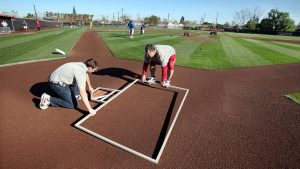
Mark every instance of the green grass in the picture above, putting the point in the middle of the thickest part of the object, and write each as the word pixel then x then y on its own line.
pixel 39 45
pixel 262 36
pixel 225 52
pixel 294 96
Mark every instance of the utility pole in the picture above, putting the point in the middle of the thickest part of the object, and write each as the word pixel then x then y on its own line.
pixel 35 12
pixel 118 19
pixel 168 17
pixel 217 20
pixel 122 14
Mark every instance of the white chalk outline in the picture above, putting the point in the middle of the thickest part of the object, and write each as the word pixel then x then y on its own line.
pixel 141 155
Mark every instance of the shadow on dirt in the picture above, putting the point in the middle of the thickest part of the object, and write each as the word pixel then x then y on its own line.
pixel 37 90
pixel 165 127
pixel 121 73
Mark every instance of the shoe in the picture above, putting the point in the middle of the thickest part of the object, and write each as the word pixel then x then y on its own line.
pixel 45 101
pixel 78 97
pixel 151 80
pixel 167 84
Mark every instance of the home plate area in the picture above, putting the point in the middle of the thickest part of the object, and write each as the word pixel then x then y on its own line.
pixel 138 118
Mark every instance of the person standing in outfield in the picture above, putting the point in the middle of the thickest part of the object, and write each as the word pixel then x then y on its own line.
pixel 163 55
pixel 142 29
pixel 38 26
pixel 131 28
pixel 68 82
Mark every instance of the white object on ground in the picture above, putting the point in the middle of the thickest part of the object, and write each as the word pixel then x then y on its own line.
pixel 60 51
pixel 141 155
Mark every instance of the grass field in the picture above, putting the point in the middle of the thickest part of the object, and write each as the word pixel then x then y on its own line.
pixel 225 52
pixel 262 36
pixel 229 50
pixel 39 45
pixel 294 96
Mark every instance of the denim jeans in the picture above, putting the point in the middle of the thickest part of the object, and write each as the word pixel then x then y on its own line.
pixel 65 95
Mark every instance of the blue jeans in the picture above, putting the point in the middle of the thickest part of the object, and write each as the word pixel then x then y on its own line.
pixel 66 95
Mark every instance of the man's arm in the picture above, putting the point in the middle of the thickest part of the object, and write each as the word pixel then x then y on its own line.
pixel 91 89
pixel 86 101
pixel 144 71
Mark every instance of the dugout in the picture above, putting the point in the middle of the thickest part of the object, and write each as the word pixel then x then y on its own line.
pixel 8 20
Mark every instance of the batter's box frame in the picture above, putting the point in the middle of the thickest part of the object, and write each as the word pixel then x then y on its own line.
pixel 141 155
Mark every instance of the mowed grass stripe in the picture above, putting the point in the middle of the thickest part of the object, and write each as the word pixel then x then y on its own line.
pixel 227 52
pixel 208 55
pixel 272 56
pixel 184 51
pixel 240 55
pixel 262 36
pixel 129 43
pixel 277 48
pixel 131 47
pixel 45 51
pixel 137 52
pixel 40 48
pixel 21 48
pixel 23 38
pixel 286 45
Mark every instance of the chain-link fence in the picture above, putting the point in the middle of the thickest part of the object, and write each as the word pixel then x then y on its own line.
pixel 19 24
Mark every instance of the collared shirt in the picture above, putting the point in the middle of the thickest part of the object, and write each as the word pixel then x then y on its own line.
pixel 69 72
pixel 162 56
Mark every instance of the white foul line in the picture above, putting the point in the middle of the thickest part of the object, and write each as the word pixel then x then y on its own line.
pixel 156 160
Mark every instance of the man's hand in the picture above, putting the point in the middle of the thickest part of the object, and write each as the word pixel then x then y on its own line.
pixel 91 89
pixel 144 78
pixel 92 112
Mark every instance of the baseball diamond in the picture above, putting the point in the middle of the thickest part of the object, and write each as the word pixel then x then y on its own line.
pixel 232 118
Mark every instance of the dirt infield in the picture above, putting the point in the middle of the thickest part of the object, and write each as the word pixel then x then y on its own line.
pixel 236 118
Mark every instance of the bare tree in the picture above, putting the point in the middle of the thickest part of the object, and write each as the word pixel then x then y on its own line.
pixel 256 13
pixel 242 17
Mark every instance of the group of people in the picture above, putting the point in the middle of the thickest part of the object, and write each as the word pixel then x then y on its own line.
pixel 37 25
pixel 131 27
pixel 68 82
pixel 24 24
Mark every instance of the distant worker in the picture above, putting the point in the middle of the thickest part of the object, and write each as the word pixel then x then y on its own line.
pixel 38 26
pixel 142 29
pixel 68 82
pixel 163 55
pixel 25 26
pixel 131 28
pixel 91 25
pixel 186 34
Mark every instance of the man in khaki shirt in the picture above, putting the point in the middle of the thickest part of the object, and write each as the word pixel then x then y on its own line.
pixel 68 82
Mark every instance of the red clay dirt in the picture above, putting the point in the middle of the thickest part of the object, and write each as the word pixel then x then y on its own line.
pixel 99 93
pixel 235 118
